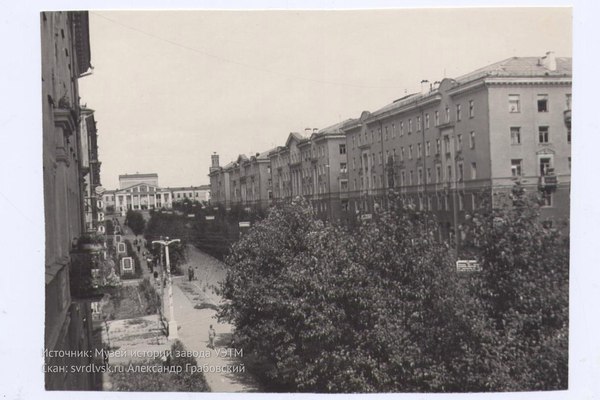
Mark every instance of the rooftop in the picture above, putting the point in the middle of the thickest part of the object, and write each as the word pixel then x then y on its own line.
pixel 151 175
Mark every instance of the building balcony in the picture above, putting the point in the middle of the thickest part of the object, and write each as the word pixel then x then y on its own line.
pixel 567 116
pixel 343 175
pixel 549 181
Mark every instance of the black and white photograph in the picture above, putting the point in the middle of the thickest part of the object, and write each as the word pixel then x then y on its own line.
pixel 317 201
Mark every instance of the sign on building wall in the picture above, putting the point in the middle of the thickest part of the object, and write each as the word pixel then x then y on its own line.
pixel 467 266
pixel 244 224
pixel 210 217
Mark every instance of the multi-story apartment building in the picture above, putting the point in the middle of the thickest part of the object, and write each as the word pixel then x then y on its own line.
pixel 454 146
pixel 312 165
pixel 65 58
pixel 465 140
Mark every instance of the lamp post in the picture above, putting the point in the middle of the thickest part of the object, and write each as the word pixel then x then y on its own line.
pixel 171 321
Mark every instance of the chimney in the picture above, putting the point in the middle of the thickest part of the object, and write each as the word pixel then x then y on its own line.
pixel 436 85
pixel 424 86
pixel 549 61
pixel 315 130
pixel 307 131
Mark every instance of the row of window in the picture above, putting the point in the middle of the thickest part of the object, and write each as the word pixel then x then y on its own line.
pixel 543 135
pixel 542 103
pixel 390 132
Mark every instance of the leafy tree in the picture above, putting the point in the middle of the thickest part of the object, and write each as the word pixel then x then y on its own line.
pixel 135 220
pixel 329 310
pixel 524 287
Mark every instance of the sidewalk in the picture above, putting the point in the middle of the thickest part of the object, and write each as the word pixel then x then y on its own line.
pixel 193 332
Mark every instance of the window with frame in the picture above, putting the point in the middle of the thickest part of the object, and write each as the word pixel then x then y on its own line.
pixel 473 170
pixel 428 176
pixel 419 150
pixel 402 153
pixel 401 128
pixel 420 176
pixel 387 137
pixel 461 201
pixel 460 171
pixel 516 167
pixel 342 149
pixel 402 178
pixel 543 134
pixel 472 140
pixel 343 168
pixel 447 114
pixel 380 158
pixel 471 109
pixel 410 153
pixel 545 165
pixel 568 134
pixel 515 135
pixel 514 103
pixel 542 103
pixel 447 144
pixel 428 148
pixel 437 118
pixel 393 131
pixel 427 121
pixel 438 173
pixel 568 100
pixel 438 146
pixel 410 177
pixel 418 124
pixel 344 185
pixel 409 126
pixel 459 142
pixel 458 112
pixel 449 173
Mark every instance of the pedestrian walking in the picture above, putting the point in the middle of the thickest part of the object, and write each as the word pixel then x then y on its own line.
pixel 190 273
pixel 211 337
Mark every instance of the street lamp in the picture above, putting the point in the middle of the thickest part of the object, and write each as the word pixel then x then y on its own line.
pixel 171 321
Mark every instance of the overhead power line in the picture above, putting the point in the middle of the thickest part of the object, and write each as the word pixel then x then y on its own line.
pixel 242 64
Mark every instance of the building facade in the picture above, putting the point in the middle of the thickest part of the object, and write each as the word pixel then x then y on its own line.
pixel 66 166
pixel 456 145
pixel 141 192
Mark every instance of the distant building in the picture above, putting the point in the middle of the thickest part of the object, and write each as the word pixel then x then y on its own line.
pixel 455 145
pixel 141 192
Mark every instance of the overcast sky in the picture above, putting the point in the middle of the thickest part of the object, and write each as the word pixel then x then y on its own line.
pixel 170 88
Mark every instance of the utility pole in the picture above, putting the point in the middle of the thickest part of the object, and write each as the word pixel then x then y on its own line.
pixel 171 320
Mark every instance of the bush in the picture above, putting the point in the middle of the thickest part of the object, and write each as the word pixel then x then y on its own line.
pixel 161 381
pixel 148 291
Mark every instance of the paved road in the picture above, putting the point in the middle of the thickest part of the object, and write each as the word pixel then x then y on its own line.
pixel 194 323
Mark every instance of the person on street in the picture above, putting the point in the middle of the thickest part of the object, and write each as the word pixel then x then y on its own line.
pixel 211 337
pixel 190 273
